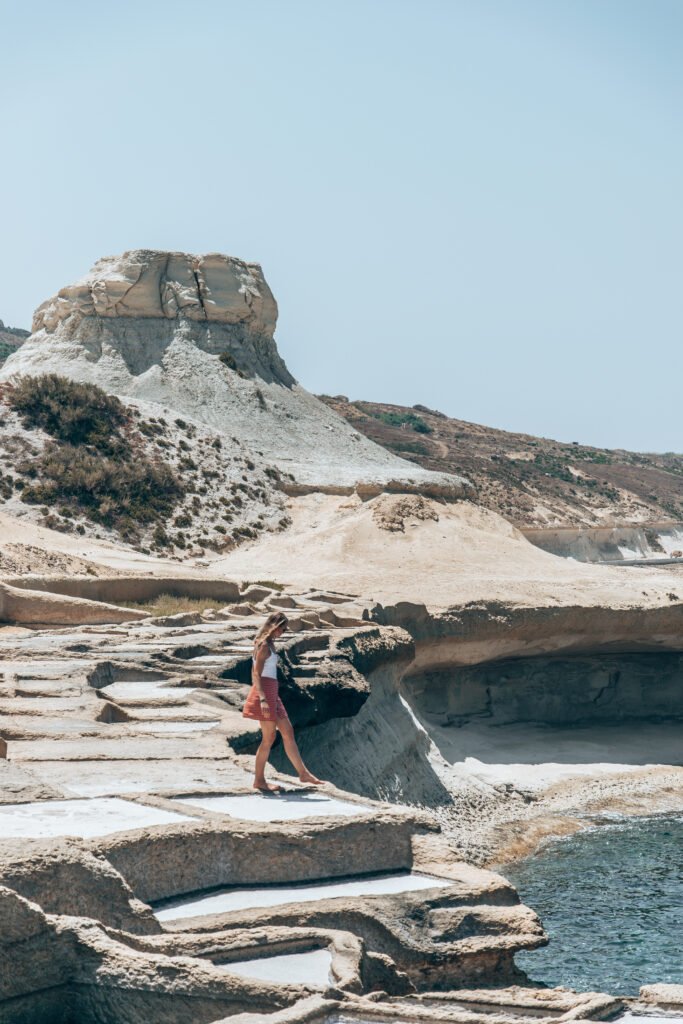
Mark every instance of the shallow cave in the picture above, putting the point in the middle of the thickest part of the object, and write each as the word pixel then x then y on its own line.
pixel 591 707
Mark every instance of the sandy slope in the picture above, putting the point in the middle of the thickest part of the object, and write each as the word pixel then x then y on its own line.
pixel 26 547
pixel 468 554
pixel 465 553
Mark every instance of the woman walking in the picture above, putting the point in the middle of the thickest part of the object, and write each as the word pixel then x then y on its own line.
pixel 263 704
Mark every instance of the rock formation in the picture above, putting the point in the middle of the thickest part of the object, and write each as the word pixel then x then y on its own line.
pixel 194 334
pixel 227 297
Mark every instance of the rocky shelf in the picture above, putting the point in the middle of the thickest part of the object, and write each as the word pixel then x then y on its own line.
pixel 143 879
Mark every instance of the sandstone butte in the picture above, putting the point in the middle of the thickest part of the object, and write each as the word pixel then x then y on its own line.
pixel 141 879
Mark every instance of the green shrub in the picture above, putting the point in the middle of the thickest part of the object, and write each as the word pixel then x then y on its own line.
pixel 412 447
pixel 70 412
pixel 150 428
pixel 160 537
pixel 407 419
pixel 116 493
pixel 6 486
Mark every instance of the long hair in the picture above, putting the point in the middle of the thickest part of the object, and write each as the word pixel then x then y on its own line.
pixel 272 623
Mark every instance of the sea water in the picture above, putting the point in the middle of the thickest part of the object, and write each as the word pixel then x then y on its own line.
pixel 611 901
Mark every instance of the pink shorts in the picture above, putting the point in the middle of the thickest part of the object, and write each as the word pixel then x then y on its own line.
pixel 253 708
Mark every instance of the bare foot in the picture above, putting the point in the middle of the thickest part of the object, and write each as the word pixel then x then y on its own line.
pixel 265 787
pixel 310 777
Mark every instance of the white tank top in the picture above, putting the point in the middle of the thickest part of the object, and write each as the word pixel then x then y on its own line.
pixel 270 667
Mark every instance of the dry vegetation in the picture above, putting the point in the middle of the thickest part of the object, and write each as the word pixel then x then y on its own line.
pixel 533 481
pixel 85 462
pixel 92 465
pixel 170 604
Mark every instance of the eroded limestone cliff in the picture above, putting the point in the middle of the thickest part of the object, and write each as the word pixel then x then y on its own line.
pixel 194 334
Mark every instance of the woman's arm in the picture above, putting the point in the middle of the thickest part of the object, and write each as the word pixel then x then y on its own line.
pixel 259 661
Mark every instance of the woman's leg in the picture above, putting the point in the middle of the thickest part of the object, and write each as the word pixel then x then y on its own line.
pixel 292 751
pixel 268 730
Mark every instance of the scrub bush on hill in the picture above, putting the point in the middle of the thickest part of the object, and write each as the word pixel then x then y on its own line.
pixel 93 465
pixel 114 492
pixel 398 419
pixel 70 412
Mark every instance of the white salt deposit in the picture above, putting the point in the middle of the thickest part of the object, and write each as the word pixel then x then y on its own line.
pixel 271 896
pixel 83 818
pixel 279 807
pixel 648 1018
pixel 175 727
pixel 209 659
pixel 145 689
pixel 312 969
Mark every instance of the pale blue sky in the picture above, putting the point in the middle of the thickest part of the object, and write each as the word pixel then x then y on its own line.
pixel 472 204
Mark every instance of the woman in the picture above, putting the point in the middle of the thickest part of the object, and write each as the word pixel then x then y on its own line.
pixel 264 705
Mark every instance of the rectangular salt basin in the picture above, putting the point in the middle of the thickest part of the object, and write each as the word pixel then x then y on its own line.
pixel 175 727
pixel 312 969
pixel 227 900
pixel 86 819
pixel 492 1009
pixel 648 1018
pixel 144 689
pixel 278 807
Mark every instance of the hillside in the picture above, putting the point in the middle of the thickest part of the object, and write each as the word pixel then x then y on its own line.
pixel 532 481
pixel 10 340
pixel 77 460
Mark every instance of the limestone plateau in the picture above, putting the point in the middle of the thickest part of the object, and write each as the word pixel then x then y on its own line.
pixel 431 648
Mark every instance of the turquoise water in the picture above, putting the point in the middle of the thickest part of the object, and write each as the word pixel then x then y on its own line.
pixel 611 900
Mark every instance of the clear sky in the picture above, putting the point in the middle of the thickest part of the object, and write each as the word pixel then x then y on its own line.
pixel 472 204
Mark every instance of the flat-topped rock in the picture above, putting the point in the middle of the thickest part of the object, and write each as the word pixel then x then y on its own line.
pixel 144 283
pixel 194 335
